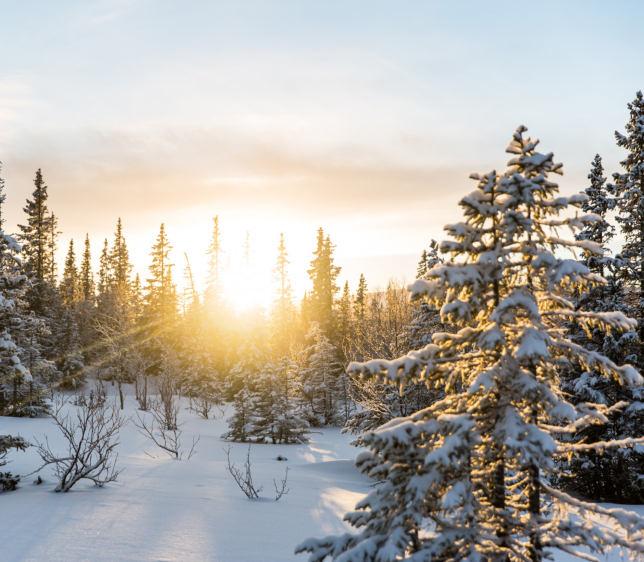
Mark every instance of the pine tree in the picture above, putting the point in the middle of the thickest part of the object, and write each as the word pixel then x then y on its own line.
pixel 274 417
pixel 283 311
pixel 611 475
pixel 161 297
pixel 20 393
pixel 52 246
pixel 190 299
pixel 628 189
pixel 360 301
pixel 344 318
pixel 323 274
pixel 119 268
pixel 36 246
pixel 240 423
pixel 86 276
pixel 320 374
pixel 213 286
pixel 86 309
pixel 69 358
pixel 70 287
pixel 469 477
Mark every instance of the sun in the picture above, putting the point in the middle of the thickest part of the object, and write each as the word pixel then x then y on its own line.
pixel 245 290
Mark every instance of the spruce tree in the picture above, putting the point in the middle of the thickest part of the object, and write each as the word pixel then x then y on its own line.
pixel 160 295
pixel 283 310
pixel 628 189
pixel 119 270
pixel 274 414
pixel 52 245
pixel 611 475
pixel 87 304
pixel 468 478
pixel 86 277
pixel 35 237
pixel 320 374
pixel 360 301
pixel 323 274
pixel 20 352
pixel 213 285
pixel 70 287
pixel 344 318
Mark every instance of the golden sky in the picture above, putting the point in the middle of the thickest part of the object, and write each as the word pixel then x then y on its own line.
pixel 362 117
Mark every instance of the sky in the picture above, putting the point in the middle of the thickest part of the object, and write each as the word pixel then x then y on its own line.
pixel 363 117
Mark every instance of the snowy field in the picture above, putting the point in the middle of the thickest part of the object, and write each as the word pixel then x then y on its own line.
pixel 168 510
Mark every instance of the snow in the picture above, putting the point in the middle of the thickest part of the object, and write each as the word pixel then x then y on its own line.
pixel 163 509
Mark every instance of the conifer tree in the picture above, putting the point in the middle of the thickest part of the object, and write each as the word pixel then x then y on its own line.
pixel 161 297
pixel 213 286
pixel 323 274
pixel 360 301
pixel 70 288
pixel 611 475
pixel 120 269
pixel 52 245
pixel 284 311
pixel 69 359
pixel 468 478
pixel 190 295
pixel 320 374
pixel 86 276
pixel 344 318
pixel 240 423
pixel 35 236
pixel 628 189
pixel 20 393
pixel 274 415
pixel 86 310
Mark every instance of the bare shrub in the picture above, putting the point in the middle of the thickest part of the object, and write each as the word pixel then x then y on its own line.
pixel 244 478
pixel 91 434
pixel 141 391
pixel 163 429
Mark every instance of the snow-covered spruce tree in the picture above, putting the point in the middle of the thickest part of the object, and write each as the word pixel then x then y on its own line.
pixel 320 374
pixel 468 477
pixel 275 418
pixel 15 378
pixel 241 422
pixel 628 189
pixel 20 395
pixel 614 474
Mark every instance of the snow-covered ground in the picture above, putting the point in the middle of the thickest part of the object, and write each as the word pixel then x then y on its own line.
pixel 162 509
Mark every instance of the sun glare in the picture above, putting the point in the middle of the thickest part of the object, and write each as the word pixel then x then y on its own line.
pixel 246 288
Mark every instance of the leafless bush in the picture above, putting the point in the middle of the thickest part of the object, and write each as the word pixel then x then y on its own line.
pixel 163 429
pixel 168 402
pixel 91 434
pixel 244 478
pixel 141 392
pixel 203 406
pixel 281 489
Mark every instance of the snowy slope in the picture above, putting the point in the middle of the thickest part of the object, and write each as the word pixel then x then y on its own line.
pixel 162 509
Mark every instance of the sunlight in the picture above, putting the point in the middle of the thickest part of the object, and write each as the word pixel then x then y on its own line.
pixel 245 289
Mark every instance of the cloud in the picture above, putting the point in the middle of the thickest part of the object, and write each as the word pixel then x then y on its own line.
pixel 92 174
